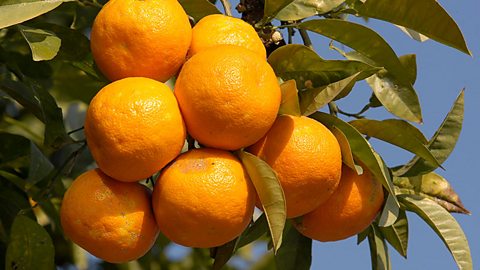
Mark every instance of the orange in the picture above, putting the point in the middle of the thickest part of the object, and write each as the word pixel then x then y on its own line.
pixel 228 95
pixel 134 128
pixel 203 199
pixel 217 29
pixel 348 211
pixel 307 159
pixel 147 38
pixel 110 219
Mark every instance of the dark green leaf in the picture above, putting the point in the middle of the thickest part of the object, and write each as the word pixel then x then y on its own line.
pixel 223 253
pixel 309 70
pixel 396 132
pixel 255 231
pixel 17 11
pixel 390 212
pixel 30 246
pixel 295 252
pixel 40 166
pixel 198 8
pixel 441 144
pixel 361 149
pixel 363 235
pixel 272 7
pixel 444 225
pixel 270 193
pixel 378 250
pixel 289 104
pixel 397 234
pixel 44 44
pixel 38 101
pixel 434 187
pixel 12 201
pixel 362 39
pixel 300 9
pixel 426 17
pixel 311 100
pixel 13 147
pixel 409 61
pixel 347 157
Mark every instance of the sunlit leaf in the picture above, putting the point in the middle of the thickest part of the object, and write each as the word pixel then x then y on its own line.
pixel 270 193
pixel 390 212
pixel 295 252
pixel 434 187
pixel 441 144
pixel 30 246
pixel 272 7
pixel 198 8
pixel 426 17
pixel 309 70
pixel 44 44
pixel 255 231
pixel 311 100
pixel 360 38
pixel 396 132
pixel 397 234
pixel 300 9
pixel 444 225
pixel 347 157
pixel 378 250
pixel 409 61
pixel 17 11
pixel 289 104
pixel 361 149
pixel 413 34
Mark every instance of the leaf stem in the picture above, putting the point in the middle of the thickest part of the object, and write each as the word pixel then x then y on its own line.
pixel 333 108
pixel 357 115
pixel 306 38
pixel 227 7
pixel 75 130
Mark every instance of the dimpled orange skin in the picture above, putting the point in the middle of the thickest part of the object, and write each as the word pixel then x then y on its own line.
pixel 350 210
pixel 203 199
pixel 148 38
pixel 307 159
pixel 216 29
pixel 229 97
pixel 110 219
pixel 134 128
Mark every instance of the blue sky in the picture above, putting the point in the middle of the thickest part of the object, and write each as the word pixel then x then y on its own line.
pixel 442 72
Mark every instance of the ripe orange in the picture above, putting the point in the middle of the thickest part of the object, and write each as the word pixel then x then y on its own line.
pixel 217 29
pixel 110 219
pixel 228 95
pixel 203 199
pixel 350 209
pixel 148 38
pixel 134 128
pixel 307 159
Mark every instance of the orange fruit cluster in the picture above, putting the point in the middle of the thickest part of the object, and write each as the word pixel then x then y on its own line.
pixel 226 97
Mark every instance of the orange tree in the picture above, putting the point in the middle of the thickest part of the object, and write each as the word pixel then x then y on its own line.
pixel 49 75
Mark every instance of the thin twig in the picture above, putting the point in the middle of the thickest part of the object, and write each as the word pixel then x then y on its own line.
pixel 332 107
pixel 227 7
pixel 75 130
pixel 357 115
pixel 306 38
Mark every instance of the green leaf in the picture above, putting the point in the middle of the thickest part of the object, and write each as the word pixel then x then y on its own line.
pixel 40 166
pixel 409 61
pixel 413 34
pixel 198 8
pixel 444 225
pixel 44 44
pixel 378 250
pixel 270 193
pixel 396 132
pixel 311 100
pixel 434 187
pixel 17 11
pixel 361 149
pixel 360 38
pixel 295 252
pixel 271 9
pixel 300 9
pixel 390 212
pixel 255 231
pixel 38 101
pixel 223 253
pixel 397 234
pixel 347 157
pixel 309 70
pixel 426 17
pixel 12 201
pixel 13 147
pixel 441 144
pixel 30 246
pixel 289 104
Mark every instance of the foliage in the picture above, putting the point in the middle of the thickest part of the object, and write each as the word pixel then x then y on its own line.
pixel 47 78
